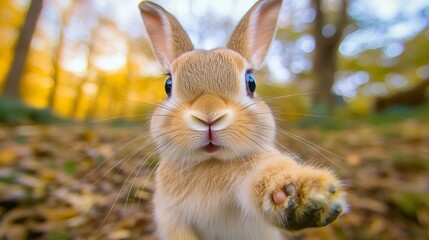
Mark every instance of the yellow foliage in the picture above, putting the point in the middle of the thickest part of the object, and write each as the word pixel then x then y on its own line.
pixel 361 106
pixel 35 89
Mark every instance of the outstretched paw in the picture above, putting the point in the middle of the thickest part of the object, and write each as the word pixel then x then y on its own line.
pixel 313 200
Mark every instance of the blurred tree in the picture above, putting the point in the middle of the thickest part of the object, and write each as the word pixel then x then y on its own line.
pixel 13 78
pixel 327 38
pixel 128 76
pixel 90 72
pixel 65 15
pixel 411 97
pixel 388 79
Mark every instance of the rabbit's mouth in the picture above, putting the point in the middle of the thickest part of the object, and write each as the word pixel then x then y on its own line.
pixel 211 148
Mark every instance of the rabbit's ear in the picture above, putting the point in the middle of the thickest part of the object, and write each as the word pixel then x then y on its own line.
pixel 169 39
pixel 254 33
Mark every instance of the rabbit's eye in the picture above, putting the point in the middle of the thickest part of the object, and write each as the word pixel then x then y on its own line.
pixel 250 84
pixel 168 86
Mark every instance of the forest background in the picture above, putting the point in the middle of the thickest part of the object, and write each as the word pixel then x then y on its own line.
pixel 347 80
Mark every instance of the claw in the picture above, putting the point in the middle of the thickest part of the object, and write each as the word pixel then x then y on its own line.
pixel 333 214
pixel 337 208
pixel 292 204
pixel 290 190
pixel 331 188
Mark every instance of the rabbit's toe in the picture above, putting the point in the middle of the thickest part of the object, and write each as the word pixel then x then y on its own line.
pixel 309 203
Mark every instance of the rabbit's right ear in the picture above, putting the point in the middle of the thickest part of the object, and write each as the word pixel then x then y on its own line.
pixel 169 39
pixel 254 33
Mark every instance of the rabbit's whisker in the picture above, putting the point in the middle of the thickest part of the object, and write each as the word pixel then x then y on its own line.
pixel 115 117
pixel 145 183
pixel 128 156
pixel 324 149
pixel 133 140
pixel 118 195
pixel 268 99
pixel 251 139
pixel 160 105
pixel 308 115
pixel 313 146
pixel 135 177
pixel 150 174
pixel 289 152
pixel 247 106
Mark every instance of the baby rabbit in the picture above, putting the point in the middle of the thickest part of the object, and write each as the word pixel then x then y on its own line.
pixel 220 175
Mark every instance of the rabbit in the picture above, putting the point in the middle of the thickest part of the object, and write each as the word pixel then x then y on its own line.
pixel 220 175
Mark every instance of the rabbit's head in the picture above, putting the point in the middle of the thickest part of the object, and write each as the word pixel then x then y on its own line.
pixel 211 110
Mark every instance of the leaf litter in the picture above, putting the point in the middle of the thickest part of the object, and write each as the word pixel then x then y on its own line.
pixel 80 182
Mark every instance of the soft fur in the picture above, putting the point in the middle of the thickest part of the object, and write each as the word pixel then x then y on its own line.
pixel 246 189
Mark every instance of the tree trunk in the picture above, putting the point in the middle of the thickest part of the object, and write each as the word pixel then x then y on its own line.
pixel 77 99
pixel 325 57
pixel 65 15
pixel 57 70
pixel 13 79
pixel 325 66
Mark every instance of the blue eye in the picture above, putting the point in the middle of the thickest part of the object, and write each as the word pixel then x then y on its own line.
pixel 250 84
pixel 168 86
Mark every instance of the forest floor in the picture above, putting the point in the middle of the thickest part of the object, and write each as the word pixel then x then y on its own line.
pixel 62 182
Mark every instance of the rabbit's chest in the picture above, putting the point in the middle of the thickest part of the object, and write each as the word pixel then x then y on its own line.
pixel 206 199
pixel 221 218
pixel 201 192
pixel 208 180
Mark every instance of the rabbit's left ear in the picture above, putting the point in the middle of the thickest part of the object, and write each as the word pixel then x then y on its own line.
pixel 169 39
pixel 254 33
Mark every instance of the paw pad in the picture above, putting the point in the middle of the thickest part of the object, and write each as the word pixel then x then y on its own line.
pixel 312 211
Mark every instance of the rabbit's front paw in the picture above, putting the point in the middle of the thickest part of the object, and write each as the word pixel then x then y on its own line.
pixel 311 199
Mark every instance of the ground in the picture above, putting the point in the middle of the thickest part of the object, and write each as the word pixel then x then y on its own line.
pixel 95 181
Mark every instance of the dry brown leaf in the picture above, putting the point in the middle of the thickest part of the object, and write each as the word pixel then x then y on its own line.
pixel 353 160
pixel 7 157
pixel 119 234
pixel 16 232
pixel 57 214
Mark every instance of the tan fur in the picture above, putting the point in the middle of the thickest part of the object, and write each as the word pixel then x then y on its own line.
pixel 204 71
pixel 159 24
pixel 251 34
pixel 228 193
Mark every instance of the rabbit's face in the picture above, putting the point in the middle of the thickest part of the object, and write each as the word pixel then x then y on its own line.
pixel 211 112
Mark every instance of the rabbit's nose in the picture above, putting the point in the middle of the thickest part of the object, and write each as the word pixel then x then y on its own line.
pixel 209 110
pixel 199 121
